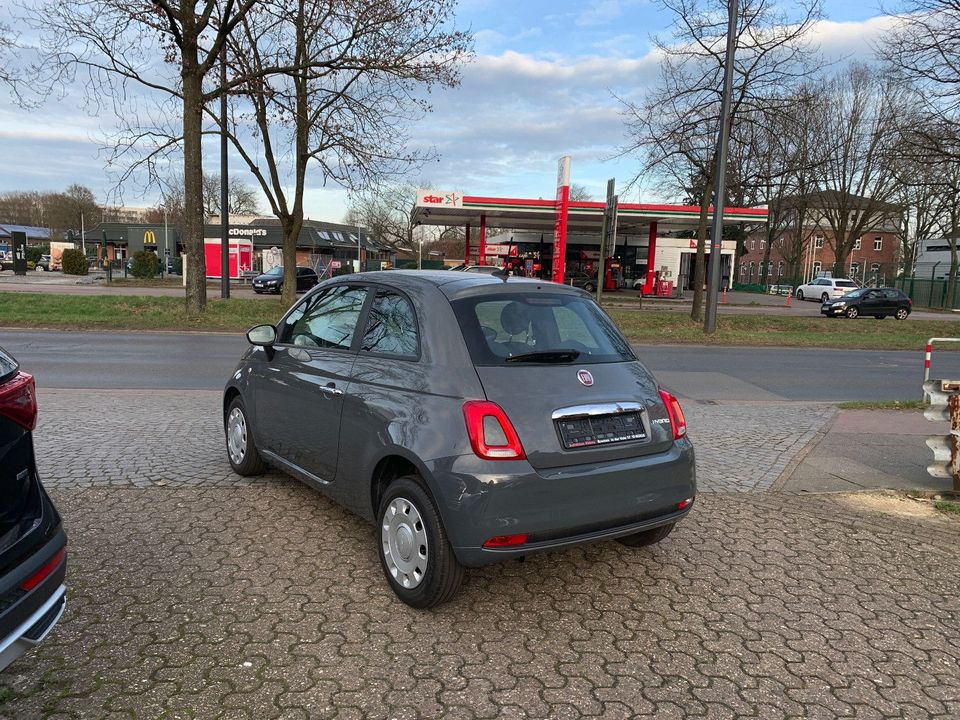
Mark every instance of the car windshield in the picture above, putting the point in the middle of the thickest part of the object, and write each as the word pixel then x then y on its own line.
pixel 501 329
pixel 275 272
pixel 846 283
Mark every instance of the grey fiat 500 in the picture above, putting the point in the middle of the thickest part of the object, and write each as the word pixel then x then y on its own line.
pixel 472 418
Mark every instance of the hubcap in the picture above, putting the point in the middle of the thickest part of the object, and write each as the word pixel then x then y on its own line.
pixel 237 436
pixel 404 540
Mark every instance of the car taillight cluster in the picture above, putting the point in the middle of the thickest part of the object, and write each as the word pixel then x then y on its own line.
pixel 18 400
pixel 677 422
pixel 491 433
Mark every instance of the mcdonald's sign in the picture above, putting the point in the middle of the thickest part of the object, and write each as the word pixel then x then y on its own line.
pixel 149 238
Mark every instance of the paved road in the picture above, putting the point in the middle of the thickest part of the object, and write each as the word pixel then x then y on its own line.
pixel 204 361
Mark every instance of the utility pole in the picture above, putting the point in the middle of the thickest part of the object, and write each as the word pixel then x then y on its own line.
pixel 609 230
pixel 359 259
pixel 224 189
pixel 716 232
pixel 83 236
pixel 166 244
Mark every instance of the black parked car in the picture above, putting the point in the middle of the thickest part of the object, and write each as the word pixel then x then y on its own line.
pixel 878 302
pixel 33 544
pixel 473 418
pixel 272 280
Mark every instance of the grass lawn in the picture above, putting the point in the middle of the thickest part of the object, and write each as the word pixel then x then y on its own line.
pixel 117 312
pixel 883 405
pixel 113 312
pixel 655 326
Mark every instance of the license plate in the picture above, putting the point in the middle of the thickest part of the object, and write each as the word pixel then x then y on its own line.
pixel 600 430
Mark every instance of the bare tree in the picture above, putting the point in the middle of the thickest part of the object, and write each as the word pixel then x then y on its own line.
pixel 386 210
pixel 579 193
pixel 344 111
pixel 113 44
pixel 241 198
pixel 858 133
pixel 674 129
pixel 60 212
pixel 922 50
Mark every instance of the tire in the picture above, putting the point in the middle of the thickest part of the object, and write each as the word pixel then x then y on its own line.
pixel 824 298
pixel 852 312
pixel 415 555
pixel 647 537
pixel 589 287
pixel 799 294
pixel 902 314
pixel 241 450
pixel 38 268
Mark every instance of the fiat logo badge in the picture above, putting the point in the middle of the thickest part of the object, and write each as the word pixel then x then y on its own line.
pixel 585 377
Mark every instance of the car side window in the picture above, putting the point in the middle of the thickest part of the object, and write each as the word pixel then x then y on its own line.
pixel 892 294
pixel 391 326
pixel 325 320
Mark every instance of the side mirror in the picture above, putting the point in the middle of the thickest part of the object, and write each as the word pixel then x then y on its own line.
pixel 262 335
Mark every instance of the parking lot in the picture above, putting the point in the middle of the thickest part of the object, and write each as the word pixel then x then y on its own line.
pixel 198 594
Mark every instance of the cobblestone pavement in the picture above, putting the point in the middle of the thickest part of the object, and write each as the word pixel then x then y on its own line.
pixel 194 593
pixel 267 602
pixel 88 438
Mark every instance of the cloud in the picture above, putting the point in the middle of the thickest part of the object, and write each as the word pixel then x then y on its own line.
pixel 501 132
pixel 599 13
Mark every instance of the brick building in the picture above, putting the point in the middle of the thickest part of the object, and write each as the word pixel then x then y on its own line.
pixel 875 257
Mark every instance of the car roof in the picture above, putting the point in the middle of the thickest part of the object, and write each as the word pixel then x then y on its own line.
pixel 455 284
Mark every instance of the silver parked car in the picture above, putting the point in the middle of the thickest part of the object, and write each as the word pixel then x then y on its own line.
pixel 472 418
pixel 823 289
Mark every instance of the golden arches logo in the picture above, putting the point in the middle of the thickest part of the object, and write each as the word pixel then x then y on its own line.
pixel 149 238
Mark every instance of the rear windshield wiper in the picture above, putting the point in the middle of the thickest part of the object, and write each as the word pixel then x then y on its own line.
pixel 546 356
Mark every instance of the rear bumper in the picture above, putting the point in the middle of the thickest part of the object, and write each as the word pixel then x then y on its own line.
pixel 559 507
pixel 34 629
pixel 27 616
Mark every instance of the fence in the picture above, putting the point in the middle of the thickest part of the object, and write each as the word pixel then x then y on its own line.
pixel 927 293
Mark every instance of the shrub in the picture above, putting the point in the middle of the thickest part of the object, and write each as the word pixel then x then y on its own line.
pixel 34 253
pixel 178 266
pixel 145 264
pixel 74 262
pixel 749 287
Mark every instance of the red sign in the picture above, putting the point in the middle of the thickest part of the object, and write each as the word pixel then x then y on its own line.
pixel 560 225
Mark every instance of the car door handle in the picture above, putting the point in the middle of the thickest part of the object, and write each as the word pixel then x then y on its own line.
pixel 331 389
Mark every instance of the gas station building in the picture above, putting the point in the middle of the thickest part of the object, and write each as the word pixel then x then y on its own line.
pixel 653 241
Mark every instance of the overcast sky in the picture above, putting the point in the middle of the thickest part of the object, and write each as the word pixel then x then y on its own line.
pixel 540 87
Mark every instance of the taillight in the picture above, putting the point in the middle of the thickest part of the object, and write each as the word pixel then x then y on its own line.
pixel 18 400
pixel 46 571
pixel 500 541
pixel 677 422
pixel 491 433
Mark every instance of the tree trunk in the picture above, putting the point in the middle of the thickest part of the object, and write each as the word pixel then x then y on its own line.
pixel 291 233
pixel 952 278
pixel 700 272
pixel 196 280
pixel 765 268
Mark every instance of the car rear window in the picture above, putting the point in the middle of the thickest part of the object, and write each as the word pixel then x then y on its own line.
pixel 846 283
pixel 499 327
pixel 8 365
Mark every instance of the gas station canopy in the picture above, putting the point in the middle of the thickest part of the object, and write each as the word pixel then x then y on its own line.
pixel 581 220
pixel 451 208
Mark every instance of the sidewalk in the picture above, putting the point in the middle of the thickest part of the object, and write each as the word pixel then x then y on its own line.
pixel 869 450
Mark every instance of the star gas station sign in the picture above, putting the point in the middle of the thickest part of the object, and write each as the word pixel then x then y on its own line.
pixel 439 198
